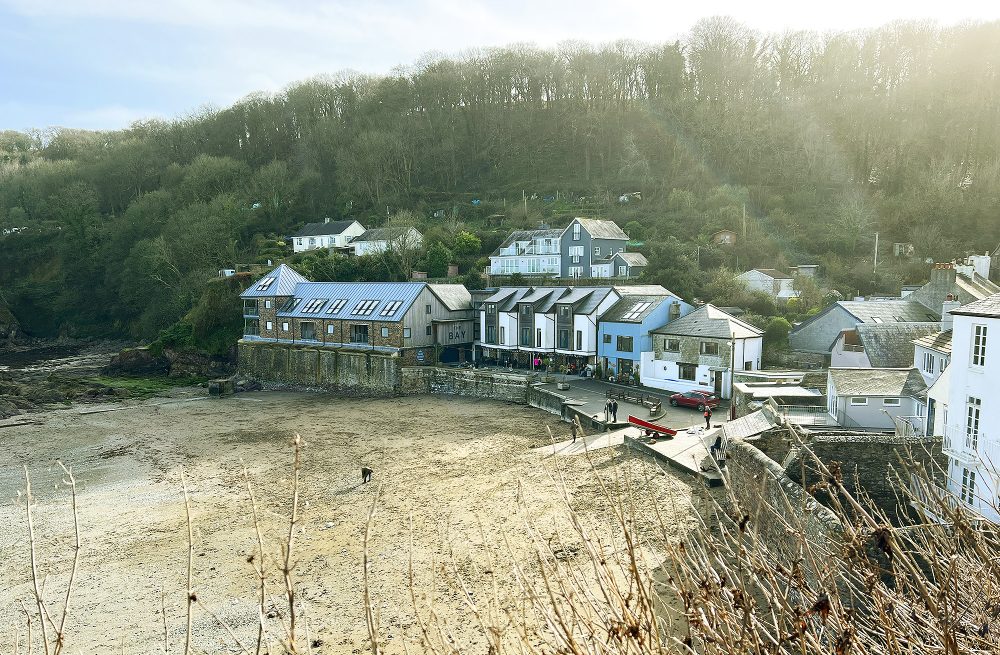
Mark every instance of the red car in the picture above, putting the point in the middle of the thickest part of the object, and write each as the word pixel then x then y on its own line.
pixel 698 399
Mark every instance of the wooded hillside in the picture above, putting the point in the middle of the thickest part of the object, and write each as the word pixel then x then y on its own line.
pixel 824 140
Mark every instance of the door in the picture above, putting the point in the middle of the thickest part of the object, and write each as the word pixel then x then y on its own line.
pixel 718 383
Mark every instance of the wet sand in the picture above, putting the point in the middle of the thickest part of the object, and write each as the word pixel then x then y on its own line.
pixel 464 472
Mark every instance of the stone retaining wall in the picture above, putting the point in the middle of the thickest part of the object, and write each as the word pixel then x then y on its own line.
pixel 465 382
pixel 758 483
pixel 551 402
pixel 347 372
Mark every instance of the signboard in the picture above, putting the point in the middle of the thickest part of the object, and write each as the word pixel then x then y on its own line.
pixel 420 355
pixel 452 333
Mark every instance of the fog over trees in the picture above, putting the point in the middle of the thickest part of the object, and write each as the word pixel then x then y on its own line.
pixel 803 144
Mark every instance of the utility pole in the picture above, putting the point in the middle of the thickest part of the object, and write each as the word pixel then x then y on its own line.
pixel 744 221
pixel 875 267
pixel 524 197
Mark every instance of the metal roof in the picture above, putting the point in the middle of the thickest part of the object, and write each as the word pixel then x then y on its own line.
pixel 323 229
pixel 939 341
pixel 747 426
pixel 644 289
pixel 454 296
pixel 890 345
pixel 629 304
pixel 888 311
pixel 599 229
pixel 710 321
pixel 279 282
pixel 905 382
pixel 585 300
pixel 986 308
pixel 382 294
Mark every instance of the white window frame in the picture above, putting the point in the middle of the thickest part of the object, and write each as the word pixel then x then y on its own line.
pixel 330 328
pixel 284 327
pixel 979 345
pixel 576 231
pixel 858 401
pixel 891 402
pixel 597 251
pixel 406 333
pixel 267 304
pixel 968 490
pixel 270 325
pixel 385 332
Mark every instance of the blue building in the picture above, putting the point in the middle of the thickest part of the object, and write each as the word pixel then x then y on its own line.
pixel 623 330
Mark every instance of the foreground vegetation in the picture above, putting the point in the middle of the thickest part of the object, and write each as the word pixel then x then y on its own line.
pixel 805 145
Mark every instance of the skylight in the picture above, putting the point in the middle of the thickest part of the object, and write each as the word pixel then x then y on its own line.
pixel 337 306
pixel 290 304
pixel 636 311
pixel 391 308
pixel 364 308
pixel 314 305
pixel 265 283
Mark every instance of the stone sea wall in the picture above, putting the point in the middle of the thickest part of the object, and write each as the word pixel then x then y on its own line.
pixel 347 372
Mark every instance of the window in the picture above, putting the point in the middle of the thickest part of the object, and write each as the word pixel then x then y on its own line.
pixel 491 334
pixel 491 309
pixel 267 304
pixel 890 402
pixel 622 271
pixel 686 371
pixel 329 329
pixel 429 331
pixel 636 311
pixel 968 486
pixel 576 231
pixel 385 332
pixel 265 284
pixel 928 363
pixel 526 311
pixel 427 309
pixel 503 334
pixel 538 338
pixel 859 400
pixel 359 334
pixel 579 339
pixel 337 306
pixel 979 345
pixel 564 339
pixel 576 271
pixel 364 308
pixel 597 251
pixel 607 338
pixel 672 345
pixel 284 327
pixel 314 305
pixel 289 304
pixel 250 308
pixel 563 311
pixel 709 348
pixel 251 326
pixel 624 344
pixel 406 333
pixel 390 308
pixel 270 326
pixel 972 409
pixel 307 330
pixel 526 336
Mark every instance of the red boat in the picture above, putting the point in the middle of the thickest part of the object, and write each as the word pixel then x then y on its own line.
pixel 654 428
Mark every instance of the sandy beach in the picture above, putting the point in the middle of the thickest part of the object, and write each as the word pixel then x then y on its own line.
pixel 464 474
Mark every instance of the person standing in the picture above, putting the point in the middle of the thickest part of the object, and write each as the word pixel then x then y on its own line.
pixel 708 417
pixel 614 411
pixel 607 410
pixel 573 430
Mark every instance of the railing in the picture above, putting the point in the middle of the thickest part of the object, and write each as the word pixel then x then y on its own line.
pixel 802 414
pixel 959 444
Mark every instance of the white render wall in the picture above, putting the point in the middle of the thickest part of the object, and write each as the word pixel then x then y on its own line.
pixel 981 382
pixel 665 374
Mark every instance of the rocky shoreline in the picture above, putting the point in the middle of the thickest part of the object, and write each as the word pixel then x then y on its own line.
pixel 45 375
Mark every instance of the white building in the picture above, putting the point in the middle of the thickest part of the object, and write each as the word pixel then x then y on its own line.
pixel 382 239
pixel 774 283
pixel 876 398
pixel 528 252
pixel 328 234
pixel 971 417
pixel 699 352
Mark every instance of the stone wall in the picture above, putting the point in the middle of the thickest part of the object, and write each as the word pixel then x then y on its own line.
pixel 778 506
pixel 547 400
pixel 465 382
pixel 354 373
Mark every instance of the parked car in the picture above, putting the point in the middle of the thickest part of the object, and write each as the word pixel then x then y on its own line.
pixel 697 399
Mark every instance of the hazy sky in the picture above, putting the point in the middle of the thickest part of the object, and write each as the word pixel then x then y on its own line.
pixel 104 63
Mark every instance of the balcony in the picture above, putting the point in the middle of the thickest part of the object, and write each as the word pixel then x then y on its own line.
pixel 958 445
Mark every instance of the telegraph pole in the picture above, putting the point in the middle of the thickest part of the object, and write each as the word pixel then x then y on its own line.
pixel 875 267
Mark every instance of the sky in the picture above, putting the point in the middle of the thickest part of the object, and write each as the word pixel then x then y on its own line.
pixel 102 64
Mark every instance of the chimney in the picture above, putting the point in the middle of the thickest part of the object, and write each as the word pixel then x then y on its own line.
pixel 326 220
pixel 949 304
pixel 452 270
pixel 981 264
pixel 943 274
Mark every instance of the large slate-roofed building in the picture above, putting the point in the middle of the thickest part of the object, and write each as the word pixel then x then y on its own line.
pixel 818 333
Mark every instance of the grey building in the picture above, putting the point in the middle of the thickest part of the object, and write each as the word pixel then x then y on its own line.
pixel 876 398
pixel 879 345
pixel 586 242
pixel 818 333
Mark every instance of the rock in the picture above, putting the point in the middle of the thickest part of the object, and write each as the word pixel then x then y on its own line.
pixel 185 363
pixel 10 329
pixel 137 361
pixel 8 409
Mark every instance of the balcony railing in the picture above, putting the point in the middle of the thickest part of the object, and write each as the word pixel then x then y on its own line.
pixel 959 445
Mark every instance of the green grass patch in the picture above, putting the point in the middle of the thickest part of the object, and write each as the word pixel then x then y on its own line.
pixel 139 386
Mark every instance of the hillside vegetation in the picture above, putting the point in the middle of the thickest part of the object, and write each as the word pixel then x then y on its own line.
pixel 805 145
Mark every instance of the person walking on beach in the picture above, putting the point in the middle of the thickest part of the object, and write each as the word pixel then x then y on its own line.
pixel 366 475
pixel 708 417
pixel 614 411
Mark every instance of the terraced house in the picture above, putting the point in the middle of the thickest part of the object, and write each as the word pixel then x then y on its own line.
pixel 422 323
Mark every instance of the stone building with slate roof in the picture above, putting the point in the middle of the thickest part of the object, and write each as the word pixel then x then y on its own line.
pixel 418 321
pixel 700 351
pixel 879 345
pixel 876 398
pixel 328 234
pixel 932 354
